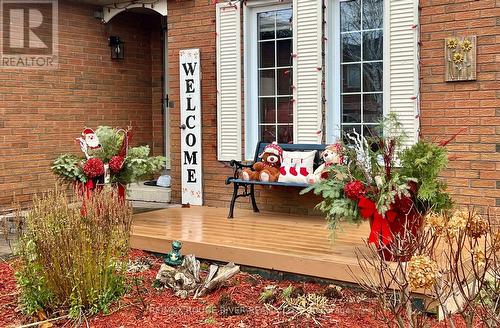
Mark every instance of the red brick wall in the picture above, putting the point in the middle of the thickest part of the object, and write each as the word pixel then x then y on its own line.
pixel 42 111
pixel 156 51
pixel 191 24
pixel 446 108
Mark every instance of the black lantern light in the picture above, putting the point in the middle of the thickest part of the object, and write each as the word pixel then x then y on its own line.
pixel 116 46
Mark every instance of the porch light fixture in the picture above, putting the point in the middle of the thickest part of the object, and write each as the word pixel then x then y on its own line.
pixel 116 46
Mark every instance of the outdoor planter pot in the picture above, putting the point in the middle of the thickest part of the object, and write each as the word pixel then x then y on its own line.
pixel 87 189
pixel 391 186
pixel 108 160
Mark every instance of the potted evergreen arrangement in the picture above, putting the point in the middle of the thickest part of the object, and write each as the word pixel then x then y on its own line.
pixel 381 181
pixel 107 159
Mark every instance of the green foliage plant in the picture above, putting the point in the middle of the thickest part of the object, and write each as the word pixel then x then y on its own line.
pixel 73 262
pixel 387 171
pixel 424 161
pixel 138 165
pixel 69 168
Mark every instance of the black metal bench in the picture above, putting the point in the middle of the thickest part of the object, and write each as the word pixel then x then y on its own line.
pixel 249 186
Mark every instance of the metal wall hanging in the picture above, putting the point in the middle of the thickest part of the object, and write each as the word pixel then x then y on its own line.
pixel 460 58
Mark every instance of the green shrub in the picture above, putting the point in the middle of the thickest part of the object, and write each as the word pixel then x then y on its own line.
pixel 74 262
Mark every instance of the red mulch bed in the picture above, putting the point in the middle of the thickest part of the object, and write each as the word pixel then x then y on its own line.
pixel 163 309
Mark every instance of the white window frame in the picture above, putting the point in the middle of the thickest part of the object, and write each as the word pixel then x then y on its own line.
pixel 332 67
pixel 250 64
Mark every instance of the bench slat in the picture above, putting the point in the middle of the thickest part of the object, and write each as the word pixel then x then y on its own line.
pixel 282 184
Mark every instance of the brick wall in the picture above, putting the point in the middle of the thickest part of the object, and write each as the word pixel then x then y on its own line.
pixel 191 24
pixel 42 111
pixel 473 176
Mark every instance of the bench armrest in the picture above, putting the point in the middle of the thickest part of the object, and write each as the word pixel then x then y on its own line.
pixel 238 166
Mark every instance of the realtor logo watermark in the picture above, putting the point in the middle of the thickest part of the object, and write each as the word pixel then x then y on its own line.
pixel 28 34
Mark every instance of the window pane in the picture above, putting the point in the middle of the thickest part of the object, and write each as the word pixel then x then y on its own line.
pixel 371 131
pixel 267 110
pixel 266 82
pixel 266 25
pixel 268 133
pixel 372 107
pixel 373 46
pixel 285 134
pixel 351 47
pixel 373 14
pixel 351 109
pixel 275 46
pixel 348 130
pixel 284 52
pixel 372 77
pixel 285 110
pixel 350 15
pixel 266 54
pixel 285 78
pixel 351 78
pixel 284 23
pixel 361 64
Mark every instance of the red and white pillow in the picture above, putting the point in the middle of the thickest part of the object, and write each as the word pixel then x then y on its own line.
pixel 296 166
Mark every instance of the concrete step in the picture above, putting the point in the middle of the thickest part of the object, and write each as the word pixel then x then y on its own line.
pixel 138 192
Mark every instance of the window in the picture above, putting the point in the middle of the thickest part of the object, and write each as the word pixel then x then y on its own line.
pixel 275 75
pixel 359 61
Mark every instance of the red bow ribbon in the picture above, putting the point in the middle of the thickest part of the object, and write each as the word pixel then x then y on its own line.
pixel 381 233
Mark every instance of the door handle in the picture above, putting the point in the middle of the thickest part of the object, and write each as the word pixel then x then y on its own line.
pixel 182 126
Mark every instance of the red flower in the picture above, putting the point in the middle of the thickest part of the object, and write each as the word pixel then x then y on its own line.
pixel 116 163
pixel 354 189
pixel 93 168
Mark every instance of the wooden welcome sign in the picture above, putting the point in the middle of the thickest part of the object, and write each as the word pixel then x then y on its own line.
pixel 190 105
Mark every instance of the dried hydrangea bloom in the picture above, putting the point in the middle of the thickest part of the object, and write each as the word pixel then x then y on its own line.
pixel 457 222
pixel 479 258
pixel 437 223
pixel 495 241
pixel 476 226
pixel 422 272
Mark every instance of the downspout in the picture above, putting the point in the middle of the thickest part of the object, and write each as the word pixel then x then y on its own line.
pixel 165 99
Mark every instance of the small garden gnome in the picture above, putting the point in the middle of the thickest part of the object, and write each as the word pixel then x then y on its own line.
pixel 332 155
pixel 268 169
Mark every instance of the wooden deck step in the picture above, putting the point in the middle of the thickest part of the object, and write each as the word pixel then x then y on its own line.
pixel 288 243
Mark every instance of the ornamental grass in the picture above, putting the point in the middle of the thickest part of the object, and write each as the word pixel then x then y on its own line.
pixel 72 259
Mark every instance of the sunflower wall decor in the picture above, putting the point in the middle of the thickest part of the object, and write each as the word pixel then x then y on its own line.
pixel 460 58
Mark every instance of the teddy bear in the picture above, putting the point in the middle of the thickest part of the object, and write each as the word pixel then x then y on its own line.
pixel 268 169
pixel 332 155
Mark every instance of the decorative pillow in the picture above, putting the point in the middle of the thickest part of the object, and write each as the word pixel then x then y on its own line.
pixel 296 166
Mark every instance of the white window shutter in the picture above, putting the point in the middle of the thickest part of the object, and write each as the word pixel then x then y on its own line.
pixel 402 63
pixel 228 81
pixel 307 45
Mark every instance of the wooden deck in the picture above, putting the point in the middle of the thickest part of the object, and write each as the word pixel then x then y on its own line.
pixel 280 242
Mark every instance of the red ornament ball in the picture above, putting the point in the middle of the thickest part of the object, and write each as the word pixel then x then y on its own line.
pixel 93 168
pixel 354 189
pixel 116 163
